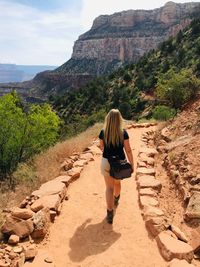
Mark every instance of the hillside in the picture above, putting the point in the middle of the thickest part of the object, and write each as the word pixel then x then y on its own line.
pixel 124 89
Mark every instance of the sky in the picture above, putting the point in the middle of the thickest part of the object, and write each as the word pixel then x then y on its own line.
pixel 43 32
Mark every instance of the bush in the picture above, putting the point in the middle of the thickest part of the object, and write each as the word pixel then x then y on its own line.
pixel 177 88
pixel 22 134
pixel 163 113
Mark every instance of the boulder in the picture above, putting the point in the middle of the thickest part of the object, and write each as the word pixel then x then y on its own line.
pixel 30 251
pixel 150 152
pixel 3 263
pixel 150 212
pixel 13 239
pixel 148 160
pixel 147 192
pixel 156 225
pixel 193 208
pixel 53 187
pixel 172 248
pixel 52 202
pixel 22 213
pixel 74 173
pixel 165 134
pixel 40 260
pixel 80 163
pixel 195 240
pixel 148 201
pixel 87 156
pixel 63 179
pixel 145 171
pixel 41 222
pixel 16 226
pixel 148 181
pixel 37 205
pixel 179 233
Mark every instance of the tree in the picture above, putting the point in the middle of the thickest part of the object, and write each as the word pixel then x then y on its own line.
pixel 177 87
pixel 24 134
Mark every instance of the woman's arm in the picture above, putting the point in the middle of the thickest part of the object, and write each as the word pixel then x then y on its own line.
pixel 129 153
pixel 101 144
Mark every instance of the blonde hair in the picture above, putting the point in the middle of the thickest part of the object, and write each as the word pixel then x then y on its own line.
pixel 113 128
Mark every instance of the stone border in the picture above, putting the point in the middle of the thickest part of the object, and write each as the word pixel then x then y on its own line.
pixel 36 212
pixel 171 241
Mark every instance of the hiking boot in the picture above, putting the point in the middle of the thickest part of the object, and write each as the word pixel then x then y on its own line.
pixel 116 200
pixel 109 217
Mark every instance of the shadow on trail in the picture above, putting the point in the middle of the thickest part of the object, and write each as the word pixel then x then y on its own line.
pixel 91 239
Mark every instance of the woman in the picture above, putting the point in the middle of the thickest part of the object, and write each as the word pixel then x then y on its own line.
pixel 113 140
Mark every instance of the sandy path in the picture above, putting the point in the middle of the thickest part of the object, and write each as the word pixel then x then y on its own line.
pixel 81 237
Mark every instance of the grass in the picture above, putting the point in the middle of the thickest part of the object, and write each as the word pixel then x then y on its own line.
pixel 43 167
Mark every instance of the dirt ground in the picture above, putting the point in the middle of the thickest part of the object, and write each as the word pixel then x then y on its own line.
pixel 81 237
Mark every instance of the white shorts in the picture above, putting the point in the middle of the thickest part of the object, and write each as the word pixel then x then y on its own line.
pixel 105 167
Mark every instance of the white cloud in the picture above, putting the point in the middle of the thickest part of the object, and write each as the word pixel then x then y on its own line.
pixel 31 36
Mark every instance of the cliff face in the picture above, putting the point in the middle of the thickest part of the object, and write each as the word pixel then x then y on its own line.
pixel 127 35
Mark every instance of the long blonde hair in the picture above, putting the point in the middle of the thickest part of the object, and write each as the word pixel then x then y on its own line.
pixel 113 128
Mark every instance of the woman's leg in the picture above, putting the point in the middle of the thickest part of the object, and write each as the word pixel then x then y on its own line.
pixel 117 187
pixel 109 181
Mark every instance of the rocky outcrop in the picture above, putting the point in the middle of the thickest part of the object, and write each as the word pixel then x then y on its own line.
pixel 126 36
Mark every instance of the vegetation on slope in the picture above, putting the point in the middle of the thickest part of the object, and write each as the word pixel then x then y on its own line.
pixel 177 61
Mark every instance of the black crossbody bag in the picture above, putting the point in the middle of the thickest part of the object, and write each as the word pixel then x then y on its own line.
pixel 120 168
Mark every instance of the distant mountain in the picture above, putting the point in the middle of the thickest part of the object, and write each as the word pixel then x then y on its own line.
pixel 20 73
pixel 114 41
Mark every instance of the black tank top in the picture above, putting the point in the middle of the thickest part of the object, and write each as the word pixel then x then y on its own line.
pixel 114 150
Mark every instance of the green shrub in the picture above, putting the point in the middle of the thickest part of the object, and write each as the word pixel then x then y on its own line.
pixel 177 88
pixel 22 134
pixel 163 113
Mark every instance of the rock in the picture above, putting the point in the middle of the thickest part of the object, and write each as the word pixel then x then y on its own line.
pixel 165 134
pixel 53 215
pixel 21 261
pixel 179 233
pixel 141 164
pixel 48 260
pixel 41 222
pixel 39 260
pixel 156 225
pixel 179 263
pixel 67 165
pixel 149 152
pixel 193 208
pixel 195 240
pixel 171 248
pixel 148 181
pixel 148 201
pixel 30 252
pixel 16 226
pixel 147 192
pixel 51 188
pixel 12 255
pixel 87 156
pixel 170 233
pixel 150 212
pixel 52 202
pixel 145 171
pixel 66 179
pixel 23 204
pixel 75 173
pixel 4 264
pixel 148 160
pixel 13 240
pixel 22 213
pixel 17 249
pixel 95 150
pixel 80 163
pixel 37 205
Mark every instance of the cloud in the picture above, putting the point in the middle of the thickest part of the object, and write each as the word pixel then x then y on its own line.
pixel 32 36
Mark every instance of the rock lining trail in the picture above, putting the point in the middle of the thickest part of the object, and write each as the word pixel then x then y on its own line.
pixel 81 237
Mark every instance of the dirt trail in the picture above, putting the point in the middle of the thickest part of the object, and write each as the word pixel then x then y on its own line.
pixel 81 237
